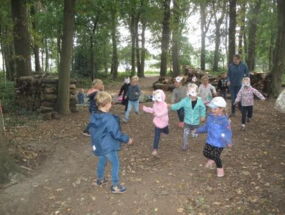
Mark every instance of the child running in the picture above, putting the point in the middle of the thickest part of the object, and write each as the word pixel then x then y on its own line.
pixel 246 97
pixel 97 85
pixel 219 134
pixel 179 93
pixel 106 137
pixel 123 92
pixel 206 90
pixel 133 95
pixel 160 120
pixel 195 112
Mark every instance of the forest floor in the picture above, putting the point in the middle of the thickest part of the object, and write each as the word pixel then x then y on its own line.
pixel 63 181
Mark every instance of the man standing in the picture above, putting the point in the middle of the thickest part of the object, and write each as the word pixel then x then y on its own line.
pixel 237 71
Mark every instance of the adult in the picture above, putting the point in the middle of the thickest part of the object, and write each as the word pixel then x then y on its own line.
pixel 237 71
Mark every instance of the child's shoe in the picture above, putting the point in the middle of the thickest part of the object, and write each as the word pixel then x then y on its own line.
pixel 220 172
pixel 194 135
pixel 125 120
pixel 210 164
pixel 118 189
pixel 181 124
pixel 100 182
pixel 154 152
pixel 242 127
pixel 86 133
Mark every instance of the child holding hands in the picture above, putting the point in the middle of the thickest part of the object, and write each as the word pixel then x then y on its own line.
pixel 160 120
pixel 195 112
pixel 219 134
pixel 106 138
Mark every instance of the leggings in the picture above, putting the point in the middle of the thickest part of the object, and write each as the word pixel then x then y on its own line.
pixel 213 153
pixel 246 112
pixel 157 132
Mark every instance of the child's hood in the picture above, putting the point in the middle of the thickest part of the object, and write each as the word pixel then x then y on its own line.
pixel 99 117
pixel 159 95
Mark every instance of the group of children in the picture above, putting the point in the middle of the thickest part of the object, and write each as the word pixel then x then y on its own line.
pixel 191 103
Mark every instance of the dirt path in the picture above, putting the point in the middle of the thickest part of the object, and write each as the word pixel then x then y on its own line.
pixel 176 183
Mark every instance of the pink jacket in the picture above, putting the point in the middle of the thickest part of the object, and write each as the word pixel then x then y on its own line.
pixel 246 96
pixel 160 112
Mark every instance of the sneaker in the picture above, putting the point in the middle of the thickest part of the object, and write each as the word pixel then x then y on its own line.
pixel 220 172
pixel 154 152
pixel 85 133
pixel 100 182
pixel 181 124
pixel 210 164
pixel 118 189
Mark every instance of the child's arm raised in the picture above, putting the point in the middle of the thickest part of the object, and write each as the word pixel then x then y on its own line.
pixel 178 105
pixel 258 94
pixel 147 109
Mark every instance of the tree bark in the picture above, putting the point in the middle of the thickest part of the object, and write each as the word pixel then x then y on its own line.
pixel 138 57
pixel 66 57
pixel 232 29
pixel 47 56
pixel 203 35
pixel 242 28
pixel 143 50
pixel 278 67
pixel 176 36
pixel 133 48
pixel 92 52
pixel 22 43
pixel 115 62
pixel 165 37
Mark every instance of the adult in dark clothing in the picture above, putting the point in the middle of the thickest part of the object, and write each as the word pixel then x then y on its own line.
pixel 124 91
pixel 237 71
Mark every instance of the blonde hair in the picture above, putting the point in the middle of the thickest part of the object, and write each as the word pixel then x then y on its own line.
pixel 192 86
pixel 205 78
pixel 135 78
pixel 97 82
pixel 103 98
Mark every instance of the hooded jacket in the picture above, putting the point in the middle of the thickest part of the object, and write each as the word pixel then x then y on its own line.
pixel 218 129
pixel 246 96
pixel 192 115
pixel 160 111
pixel 105 131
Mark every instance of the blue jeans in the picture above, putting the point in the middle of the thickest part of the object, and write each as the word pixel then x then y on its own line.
pixel 157 132
pixel 113 158
pixel 131 105
pixel 234 91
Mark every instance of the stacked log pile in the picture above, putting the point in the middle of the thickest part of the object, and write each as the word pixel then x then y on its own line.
pixel 39 93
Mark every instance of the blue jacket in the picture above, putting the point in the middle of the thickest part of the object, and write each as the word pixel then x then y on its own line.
pixel 218 129
pixel 105 131
pixel 236 73
pixel 92 103
pixel 134 93
pixel 192 116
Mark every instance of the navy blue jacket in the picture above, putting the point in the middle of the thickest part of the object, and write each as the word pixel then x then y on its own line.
pixel 105 131
pixel 92 103
pixel 134 93
pixel 218 129
pixel 236 73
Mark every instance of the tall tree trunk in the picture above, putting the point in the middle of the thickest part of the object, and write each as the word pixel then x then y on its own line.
pixel 278 67
pixel 138 57
pixel 143 50
pixel 270 51
pixel 165 37
pixel 242 28
pixel 115 62
pixel 22 42
pixel 133 48
pixel 232 29
pixel 36 49
pixel 92 51
pixel 252 29
pixel 203 35
pixel 176 37
pixel 47 56
pixel 66 57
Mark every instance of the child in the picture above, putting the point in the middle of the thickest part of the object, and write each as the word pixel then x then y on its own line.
pixel 80 96
pixel 106 137
pixel 195 112
pixel 178 94
pixel 97 85
pixel 123 92
pixel 219 134
pixel 223 85
pixel 160 120
pixel 246 97
pixel 206 90
pixel 133 95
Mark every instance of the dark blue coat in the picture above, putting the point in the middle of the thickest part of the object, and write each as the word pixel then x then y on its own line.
pixel 236 73
pixel 105 131
pixel 92 103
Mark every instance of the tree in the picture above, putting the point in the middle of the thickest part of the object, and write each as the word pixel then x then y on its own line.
pixel 232 29
pixel 241 23
pixel 22 43
pixel 165 37
pixel 278 68
pixel 65 57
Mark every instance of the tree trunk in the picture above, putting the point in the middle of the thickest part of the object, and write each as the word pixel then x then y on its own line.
pixel 133 48
pixel 138 58
pixel 143 49
pixel 252 29
pixel 176 37
pixel 92 52
pixel 242 28
pixel 22 42
pixel 203 35
pixel 115 62
pixel 278 67
pixel 66 57
pixel 47 56
pixel 165 37
pixel 232 30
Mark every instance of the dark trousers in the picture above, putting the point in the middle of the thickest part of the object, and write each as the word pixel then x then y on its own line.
pixel 213 153
pixel 180 114
pixel 234 91
pixel 246 113
pixel 157 132
pixel 125 102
